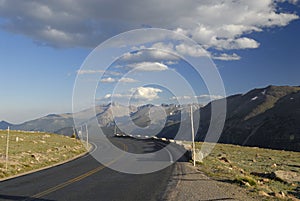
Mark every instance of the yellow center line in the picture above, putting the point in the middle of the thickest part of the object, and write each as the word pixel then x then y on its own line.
pixel 76 179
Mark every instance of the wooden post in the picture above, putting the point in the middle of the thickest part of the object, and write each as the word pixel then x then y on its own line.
pixel 87 136
pixel 7 147
pixel 193 135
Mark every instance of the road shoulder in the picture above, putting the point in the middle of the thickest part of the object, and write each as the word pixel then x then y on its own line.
pixel 46 167
pixel 188 183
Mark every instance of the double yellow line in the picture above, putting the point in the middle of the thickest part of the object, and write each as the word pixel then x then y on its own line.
pixel 76 179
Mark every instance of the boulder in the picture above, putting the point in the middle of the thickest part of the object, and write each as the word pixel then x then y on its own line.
pixel 287 176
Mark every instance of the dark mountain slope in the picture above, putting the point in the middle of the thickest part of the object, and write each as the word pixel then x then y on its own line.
pixel 267 117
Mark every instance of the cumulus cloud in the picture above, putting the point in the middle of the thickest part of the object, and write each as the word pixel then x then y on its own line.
pixel 234 44
pixel 193 51
pixel 137 94
pixel 211 97
pixel 83 72
pixel 76 23
pixel 108 80
pixel 150 54
pixel 87 72
pixel 146 93
pixel 127 80
pixel 118 96
pixel 123 79
pixel 148 66
pixel 204 98
pixel 227 57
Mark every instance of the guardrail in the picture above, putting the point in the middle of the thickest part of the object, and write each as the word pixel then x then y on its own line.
pixel 187 145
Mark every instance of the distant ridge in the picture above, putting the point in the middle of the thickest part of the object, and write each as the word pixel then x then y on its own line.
pixel 265 117
pixel 4 125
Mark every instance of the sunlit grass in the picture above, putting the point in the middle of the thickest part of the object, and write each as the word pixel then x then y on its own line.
pixel 29 151
pixel 250 167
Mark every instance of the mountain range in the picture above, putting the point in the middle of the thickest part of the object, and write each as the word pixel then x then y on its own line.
pixel 266 117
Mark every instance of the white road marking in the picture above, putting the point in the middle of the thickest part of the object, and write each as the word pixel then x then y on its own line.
pixel 170 154
pixel 94 149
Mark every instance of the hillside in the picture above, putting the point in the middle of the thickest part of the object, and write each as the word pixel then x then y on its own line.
pixel 272 174
pixel 4 125
pixel 31 151
pixel 50 123
pixel 267 117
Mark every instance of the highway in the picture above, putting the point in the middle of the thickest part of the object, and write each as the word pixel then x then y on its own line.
pixel 86 179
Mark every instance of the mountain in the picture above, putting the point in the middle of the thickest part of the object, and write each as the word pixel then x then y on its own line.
pixel 4 125
pixel 50 123
pixel 267 117
pixel 107 113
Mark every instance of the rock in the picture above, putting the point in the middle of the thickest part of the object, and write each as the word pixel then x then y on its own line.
pixel 224 159
pixel 274 165
pixel 36 157
pixel 287 176
pixel 278 195
pixel 263 193
pixel 265 180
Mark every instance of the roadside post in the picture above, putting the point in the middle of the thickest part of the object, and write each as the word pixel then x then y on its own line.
pixel 7 147
pixel 87 136
pixel 193 136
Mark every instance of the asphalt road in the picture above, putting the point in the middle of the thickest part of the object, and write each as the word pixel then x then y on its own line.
pixel 86 179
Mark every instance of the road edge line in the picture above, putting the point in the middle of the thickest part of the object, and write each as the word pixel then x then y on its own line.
pixel 47 167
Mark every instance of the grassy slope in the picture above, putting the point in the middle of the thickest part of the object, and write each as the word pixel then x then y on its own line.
pixel 35 150
pixel 244 161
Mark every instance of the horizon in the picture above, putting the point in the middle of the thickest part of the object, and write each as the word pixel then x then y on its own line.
pixel 42 53
pixel 141 105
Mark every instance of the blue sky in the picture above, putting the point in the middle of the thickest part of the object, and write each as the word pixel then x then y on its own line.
pixel 43 45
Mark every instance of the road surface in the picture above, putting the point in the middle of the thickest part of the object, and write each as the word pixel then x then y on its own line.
pixel 86 179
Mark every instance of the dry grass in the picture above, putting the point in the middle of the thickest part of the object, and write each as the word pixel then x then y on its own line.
pixel 29 151
pixel 251 167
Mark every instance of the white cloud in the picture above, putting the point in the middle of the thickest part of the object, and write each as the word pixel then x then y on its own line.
pixel 108 80
pixel 148 66
pixel 138 94
pixel 118 96
pixel 202 98
pixel 193 51
pixel 181 98
pixel 83 72
pixel 123 79
pixel 171 62
pixel 146 93
pixel 240 43
pixel 107 72
pixel 211 97
pixel 150 54
pixel 127 80
pixel 227 57
pixel 77 23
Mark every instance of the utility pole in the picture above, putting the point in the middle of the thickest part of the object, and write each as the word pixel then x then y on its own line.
pixel 7 147
pixel 193 135
pixel 74 132
pixel 87 136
